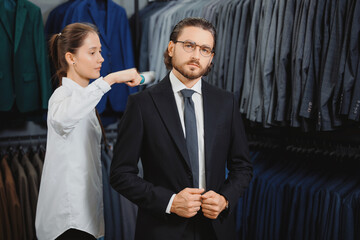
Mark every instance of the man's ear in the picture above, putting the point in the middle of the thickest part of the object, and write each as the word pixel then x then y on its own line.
pixel 70 59
pixel 171 47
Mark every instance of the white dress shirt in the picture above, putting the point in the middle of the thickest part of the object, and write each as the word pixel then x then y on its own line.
pixel 197 98
pixel 71 193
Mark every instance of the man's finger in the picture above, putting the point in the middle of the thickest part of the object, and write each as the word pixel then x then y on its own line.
pixel 194 190
pixel 209 194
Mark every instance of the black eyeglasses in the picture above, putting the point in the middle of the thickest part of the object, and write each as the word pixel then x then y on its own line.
pixel 191 46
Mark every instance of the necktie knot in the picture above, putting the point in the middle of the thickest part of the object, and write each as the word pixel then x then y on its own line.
pixel 187 93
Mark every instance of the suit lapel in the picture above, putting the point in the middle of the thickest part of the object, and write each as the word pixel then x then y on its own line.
pixel 164 100
pixel 19 22
pixel 4 21
pixel 210 116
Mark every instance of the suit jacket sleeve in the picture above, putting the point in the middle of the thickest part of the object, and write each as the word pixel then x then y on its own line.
pixel 124 170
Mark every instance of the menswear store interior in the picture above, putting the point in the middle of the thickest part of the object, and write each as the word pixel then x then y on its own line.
pixel 292 65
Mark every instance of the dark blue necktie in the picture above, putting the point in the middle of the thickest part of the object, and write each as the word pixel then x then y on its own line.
pixel 191 134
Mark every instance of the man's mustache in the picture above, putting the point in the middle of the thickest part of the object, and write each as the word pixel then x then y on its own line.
pixel 194 62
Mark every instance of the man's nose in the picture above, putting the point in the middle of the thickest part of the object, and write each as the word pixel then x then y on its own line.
pixel 196 53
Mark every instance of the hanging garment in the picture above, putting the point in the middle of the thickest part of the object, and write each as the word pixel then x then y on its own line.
pixel 13 204
pixel 5 229
pixel 297 196
pixel 22 188
pixel 115 37
pixel 24 68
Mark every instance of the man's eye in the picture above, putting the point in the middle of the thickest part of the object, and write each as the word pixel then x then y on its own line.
pixel 188 45
pixel 206 50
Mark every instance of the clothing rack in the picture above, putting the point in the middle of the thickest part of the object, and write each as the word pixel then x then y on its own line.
pixel 24 141
pixel 37 139
pixel 150 1
pixel 340 145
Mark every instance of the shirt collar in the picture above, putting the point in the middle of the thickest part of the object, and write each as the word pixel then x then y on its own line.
pixel 177 85
pixel 67 82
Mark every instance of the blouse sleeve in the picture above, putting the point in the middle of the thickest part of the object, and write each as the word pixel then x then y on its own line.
pixel 68 107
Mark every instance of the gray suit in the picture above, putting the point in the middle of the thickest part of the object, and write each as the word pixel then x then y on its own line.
pixel 337 98
pixel 307 109
pixel 331 64
pixel 297 57
pixel 268 78
pixel 351 61
pixel 354 113
pixel 250 58
pixel 283 87
pixel 256 107
pixel 239 40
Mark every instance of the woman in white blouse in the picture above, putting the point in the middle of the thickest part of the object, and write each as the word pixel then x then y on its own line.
pixel 70 204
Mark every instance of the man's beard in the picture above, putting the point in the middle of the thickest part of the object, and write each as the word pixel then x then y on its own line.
pixel 190 75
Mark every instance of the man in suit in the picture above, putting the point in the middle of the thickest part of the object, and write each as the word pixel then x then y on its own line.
pixel 185 143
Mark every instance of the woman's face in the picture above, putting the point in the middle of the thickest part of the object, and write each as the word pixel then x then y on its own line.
pixel 88 59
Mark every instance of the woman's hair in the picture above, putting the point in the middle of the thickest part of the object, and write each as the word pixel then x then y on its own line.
pixel 189 22
pixel 68 40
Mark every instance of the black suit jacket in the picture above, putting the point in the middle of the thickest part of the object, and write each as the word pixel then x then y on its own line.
pixel 151 130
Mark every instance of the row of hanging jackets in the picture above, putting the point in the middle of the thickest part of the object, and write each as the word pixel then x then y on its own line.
pixel 20 175
pixel 300 197
pixel 289 62
pixel 25 78
pixel 115 37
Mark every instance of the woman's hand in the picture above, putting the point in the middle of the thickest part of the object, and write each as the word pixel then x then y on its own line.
pixel 130 76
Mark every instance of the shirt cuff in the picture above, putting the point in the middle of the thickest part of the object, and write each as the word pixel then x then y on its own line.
pixel 104 86
pixel 170 203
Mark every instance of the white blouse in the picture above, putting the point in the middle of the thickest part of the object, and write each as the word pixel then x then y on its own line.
pixel 71 193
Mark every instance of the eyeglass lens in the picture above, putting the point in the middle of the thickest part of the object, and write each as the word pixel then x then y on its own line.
pixel 191 46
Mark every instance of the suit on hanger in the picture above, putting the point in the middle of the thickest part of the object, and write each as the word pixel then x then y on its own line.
pixel 55 19
pixel 13 203
pixel 283 70
pixel 116 44
pixel 352 60
pixel 22 187
pixel 250 58
pixel 151 129
pixel 5 229
pixel 33 185
pixel 24 68
pixel 331 65
pixel 338 97
pixel 38 165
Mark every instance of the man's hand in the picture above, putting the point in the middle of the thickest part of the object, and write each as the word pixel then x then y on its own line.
pixel 212 204
pixel 187 202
